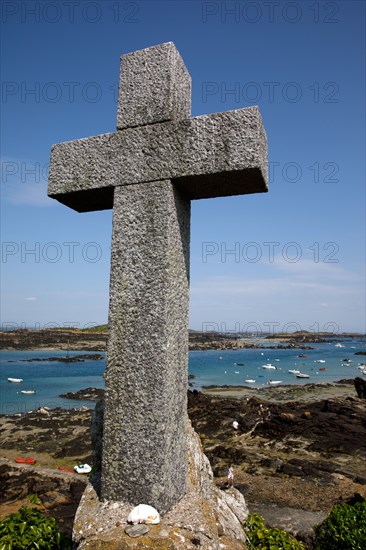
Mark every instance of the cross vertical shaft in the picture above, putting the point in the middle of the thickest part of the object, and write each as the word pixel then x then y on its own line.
pixel 144 443
pixel 144 439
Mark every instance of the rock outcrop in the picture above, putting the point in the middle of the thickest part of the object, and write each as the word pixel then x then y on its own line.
pixel 360 386
pixel 59 492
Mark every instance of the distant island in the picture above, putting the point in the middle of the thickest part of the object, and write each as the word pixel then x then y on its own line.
pixel 95 339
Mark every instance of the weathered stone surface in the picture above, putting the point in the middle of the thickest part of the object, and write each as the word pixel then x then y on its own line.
pixel 299 523
pixel 136 530
pixel 144 458
pixel 149 171
pixel 206 516
pixel 154 86
pixel 208 156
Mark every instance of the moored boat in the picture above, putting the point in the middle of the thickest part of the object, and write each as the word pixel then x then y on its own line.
pixel 294 371
pixel 250 381
pixel 28 460
pixel 27 392
pixel 15 380
pixel 82 469
pixel 275 382
pixel 302 375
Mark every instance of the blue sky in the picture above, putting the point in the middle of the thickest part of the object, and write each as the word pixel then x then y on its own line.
pixel 293 258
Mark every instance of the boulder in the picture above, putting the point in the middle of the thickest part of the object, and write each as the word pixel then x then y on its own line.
pixel 360 386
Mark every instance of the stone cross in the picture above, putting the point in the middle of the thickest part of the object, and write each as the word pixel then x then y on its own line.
pixel 148 171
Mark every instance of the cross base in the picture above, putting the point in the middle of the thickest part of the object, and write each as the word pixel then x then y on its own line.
pixel 205 515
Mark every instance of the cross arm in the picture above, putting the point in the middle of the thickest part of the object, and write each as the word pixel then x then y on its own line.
pixel 207 156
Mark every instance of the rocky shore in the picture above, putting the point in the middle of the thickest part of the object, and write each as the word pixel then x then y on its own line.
pixel 96 340
pixel 54 339
pixel 298 457
pixel 66 359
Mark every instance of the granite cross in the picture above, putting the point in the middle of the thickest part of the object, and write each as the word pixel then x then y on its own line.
pixel 148 171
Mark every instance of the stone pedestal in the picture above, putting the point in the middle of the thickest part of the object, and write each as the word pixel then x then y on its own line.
pixel 205 517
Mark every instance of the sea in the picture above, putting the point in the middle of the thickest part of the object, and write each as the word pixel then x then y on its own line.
pixel 326 362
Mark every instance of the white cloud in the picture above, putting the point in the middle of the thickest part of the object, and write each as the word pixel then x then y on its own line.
pixel 313 295
pixel 307 268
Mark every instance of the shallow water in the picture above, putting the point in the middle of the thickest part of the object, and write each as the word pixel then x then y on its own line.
pixel 222 367
pixel 50 379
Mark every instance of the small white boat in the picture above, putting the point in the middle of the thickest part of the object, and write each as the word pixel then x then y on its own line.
pixel 294 371
pixel 236 372
pixel 15 380
pixel 82 469
pixel 250 381
pixel 269 366
pixel 302 375
pixel 27 392
pixel 320 361
pixel 339 346
pixel 275 382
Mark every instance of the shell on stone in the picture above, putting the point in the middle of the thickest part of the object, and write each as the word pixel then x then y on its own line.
pixel 143 513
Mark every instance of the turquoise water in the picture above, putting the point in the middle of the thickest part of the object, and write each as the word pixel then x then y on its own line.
pixel 222 367
pixel 50 379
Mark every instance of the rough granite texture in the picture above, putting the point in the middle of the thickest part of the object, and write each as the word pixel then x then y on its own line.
pixel 208 156
pixel 148 171
pixel 144 458
pixel 154 86
pixel 205 517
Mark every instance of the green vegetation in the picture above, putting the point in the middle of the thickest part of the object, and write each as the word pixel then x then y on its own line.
pixel 262 538
pixel 30 529
pixel 34 499
pixel 343 529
